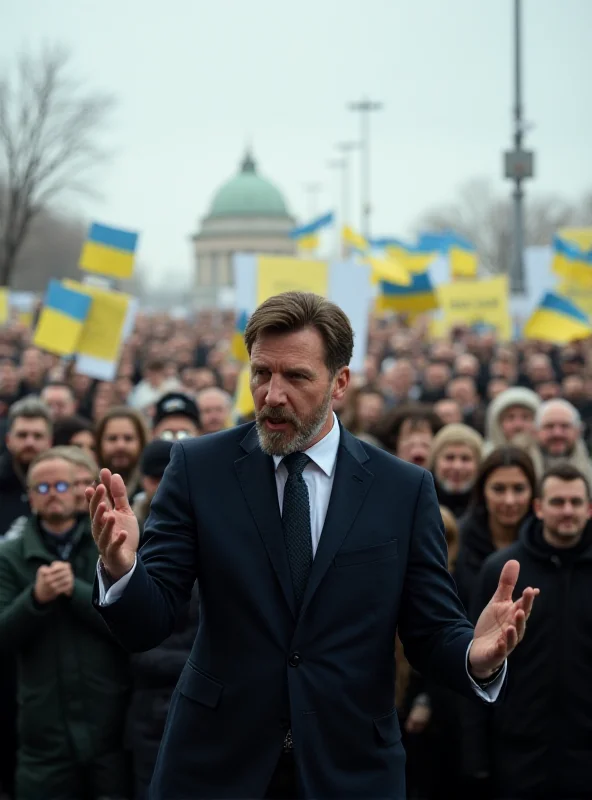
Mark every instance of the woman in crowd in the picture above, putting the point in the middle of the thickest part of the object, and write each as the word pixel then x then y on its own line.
pixel 502 499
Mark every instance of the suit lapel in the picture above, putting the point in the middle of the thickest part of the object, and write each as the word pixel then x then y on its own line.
pixel 350 487
pixel 256 476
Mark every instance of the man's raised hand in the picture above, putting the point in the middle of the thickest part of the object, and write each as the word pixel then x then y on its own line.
pixel 114 526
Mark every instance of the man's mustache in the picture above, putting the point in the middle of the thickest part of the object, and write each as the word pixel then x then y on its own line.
pixel 277 415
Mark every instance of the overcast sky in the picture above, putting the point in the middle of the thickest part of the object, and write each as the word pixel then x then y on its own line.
pixel 197 79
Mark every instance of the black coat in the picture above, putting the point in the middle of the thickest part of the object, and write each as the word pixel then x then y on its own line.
pixel 475 546
pixel 456 503
pixel 154 676
pixel 257 666
pixel 14 502
pixel 540 742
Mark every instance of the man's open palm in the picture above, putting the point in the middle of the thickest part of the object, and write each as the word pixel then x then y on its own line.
pixel 114 526
pixel 501 625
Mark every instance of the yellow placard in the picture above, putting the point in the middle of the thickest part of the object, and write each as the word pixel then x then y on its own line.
pixel 277 274
pixel 101 336
pixel 476 303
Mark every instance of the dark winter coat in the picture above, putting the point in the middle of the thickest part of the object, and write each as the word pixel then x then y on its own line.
pixel 155 674
pixel 457 502
pixel 14 502
pixel 540 742
pixel 73 678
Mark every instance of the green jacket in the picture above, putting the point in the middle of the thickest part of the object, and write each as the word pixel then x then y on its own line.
pixel 72 676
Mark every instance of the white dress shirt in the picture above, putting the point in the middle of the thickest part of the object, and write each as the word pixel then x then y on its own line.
pixel 318 475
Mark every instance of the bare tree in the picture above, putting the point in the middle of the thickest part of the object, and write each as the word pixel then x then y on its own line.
pixel 48 144
pixel 486 219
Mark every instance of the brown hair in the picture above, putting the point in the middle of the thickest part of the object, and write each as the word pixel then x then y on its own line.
pixel 293 311
pixel 419 416
pixel 503 457
pixel 121 412
pixel 565 472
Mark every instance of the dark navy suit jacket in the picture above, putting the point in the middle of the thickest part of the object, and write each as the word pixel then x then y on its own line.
pixel 255 667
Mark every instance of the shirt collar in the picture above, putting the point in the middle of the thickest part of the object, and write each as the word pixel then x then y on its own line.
pixel 324 452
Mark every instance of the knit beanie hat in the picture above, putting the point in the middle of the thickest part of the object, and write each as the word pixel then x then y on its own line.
pixel 456 433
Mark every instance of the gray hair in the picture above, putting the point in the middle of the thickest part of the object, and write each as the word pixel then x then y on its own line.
pixel 557 402
pixel 30 407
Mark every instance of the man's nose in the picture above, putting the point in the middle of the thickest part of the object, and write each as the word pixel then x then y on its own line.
pixel 276 395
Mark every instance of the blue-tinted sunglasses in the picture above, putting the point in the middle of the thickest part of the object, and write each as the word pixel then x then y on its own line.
pixel 43 488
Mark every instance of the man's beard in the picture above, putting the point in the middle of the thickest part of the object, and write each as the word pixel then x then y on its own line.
pixel 123 466
pixel 282 443
pixel 566 452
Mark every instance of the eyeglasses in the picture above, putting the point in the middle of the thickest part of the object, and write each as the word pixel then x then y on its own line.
pixel 43 488
pixel 170 436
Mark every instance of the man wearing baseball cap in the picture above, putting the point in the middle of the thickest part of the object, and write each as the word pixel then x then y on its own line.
pixel 176 417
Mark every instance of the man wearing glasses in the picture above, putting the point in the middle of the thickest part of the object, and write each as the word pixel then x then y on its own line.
pixel 72 675
pixel 176 417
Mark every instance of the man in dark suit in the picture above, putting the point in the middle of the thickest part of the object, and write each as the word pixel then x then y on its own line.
pixel 310 549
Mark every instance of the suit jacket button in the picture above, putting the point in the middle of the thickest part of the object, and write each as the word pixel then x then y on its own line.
pixel 295 659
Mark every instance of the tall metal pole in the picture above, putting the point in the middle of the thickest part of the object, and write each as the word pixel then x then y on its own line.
pixel 517 276
pixel 365 107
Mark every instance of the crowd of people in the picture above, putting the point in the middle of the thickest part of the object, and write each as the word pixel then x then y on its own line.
pixel 505 430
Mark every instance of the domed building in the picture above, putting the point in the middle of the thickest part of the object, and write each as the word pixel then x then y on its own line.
pixel 248 214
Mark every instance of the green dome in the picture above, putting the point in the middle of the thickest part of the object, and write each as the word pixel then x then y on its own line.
pixel 248 195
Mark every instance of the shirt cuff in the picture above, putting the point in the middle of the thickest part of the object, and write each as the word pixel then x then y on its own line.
pixel 488 693
pixel 110 592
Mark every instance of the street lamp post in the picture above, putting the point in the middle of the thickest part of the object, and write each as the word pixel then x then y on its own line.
pixel 518 163
pixel 365 107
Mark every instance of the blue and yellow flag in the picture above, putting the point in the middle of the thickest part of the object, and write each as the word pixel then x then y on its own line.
pixel 307 236
pixel 354 241
pixel 582 237
pixel 557 320
pixel 572 262
pixel 384 266
pixel 238 348
pixel 62 319
pixel 462 254
pixel 415 258
pixel 109 251
pixel 416 298
pixel 389 270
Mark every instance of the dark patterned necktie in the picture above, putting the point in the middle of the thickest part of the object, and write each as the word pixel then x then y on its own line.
pixel 296 523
